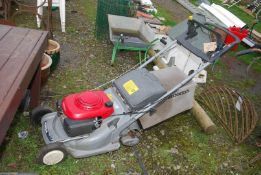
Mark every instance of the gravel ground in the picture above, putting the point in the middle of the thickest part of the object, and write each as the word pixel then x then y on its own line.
pixel 174 8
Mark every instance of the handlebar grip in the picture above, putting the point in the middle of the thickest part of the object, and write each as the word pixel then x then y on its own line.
pixel 247 51
pixel 163 41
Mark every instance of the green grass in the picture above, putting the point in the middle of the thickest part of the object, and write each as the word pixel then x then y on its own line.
pixel 166 14
pixel 198 153
pixel 248 19
pixel 89 8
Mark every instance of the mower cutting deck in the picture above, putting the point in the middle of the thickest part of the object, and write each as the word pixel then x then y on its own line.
pixel 96 122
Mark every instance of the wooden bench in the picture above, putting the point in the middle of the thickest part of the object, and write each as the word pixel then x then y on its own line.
pixel 21 51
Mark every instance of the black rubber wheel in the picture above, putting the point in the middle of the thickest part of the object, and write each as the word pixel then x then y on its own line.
pixel 51 154
pixel 37 114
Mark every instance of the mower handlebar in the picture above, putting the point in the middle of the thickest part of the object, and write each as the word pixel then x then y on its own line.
pixel 248 51
pixel 221 48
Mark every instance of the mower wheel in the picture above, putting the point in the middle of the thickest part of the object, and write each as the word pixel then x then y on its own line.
pixel 51 154
pixel 37 114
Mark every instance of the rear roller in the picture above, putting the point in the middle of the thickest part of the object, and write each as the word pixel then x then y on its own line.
pixel 38 113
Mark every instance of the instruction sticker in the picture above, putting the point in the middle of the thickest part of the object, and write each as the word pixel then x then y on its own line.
pixel 130 87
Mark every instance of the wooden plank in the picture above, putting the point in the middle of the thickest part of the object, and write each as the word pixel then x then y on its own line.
pixel 16 61
pixel 202 118
pixel 4 30
pixel 9 43
pixel 13 98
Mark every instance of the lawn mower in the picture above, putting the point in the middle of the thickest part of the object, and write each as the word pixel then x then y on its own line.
pixel 94 122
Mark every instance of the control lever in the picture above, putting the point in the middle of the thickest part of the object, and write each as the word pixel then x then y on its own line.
pixel 191 28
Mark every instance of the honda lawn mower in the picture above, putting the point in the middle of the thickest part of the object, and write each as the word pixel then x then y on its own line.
pixel 95 122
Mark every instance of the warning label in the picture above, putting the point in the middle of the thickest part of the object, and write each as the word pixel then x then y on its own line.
pixel 130 87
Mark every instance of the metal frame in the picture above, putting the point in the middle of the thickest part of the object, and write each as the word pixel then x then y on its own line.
pixel 120 46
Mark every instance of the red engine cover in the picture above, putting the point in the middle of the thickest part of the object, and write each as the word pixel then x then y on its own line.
pixel 86 105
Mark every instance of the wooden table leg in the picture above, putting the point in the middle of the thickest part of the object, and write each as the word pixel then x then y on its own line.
pixel 35 88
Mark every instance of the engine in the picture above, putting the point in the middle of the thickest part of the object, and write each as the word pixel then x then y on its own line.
pixel 85 111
